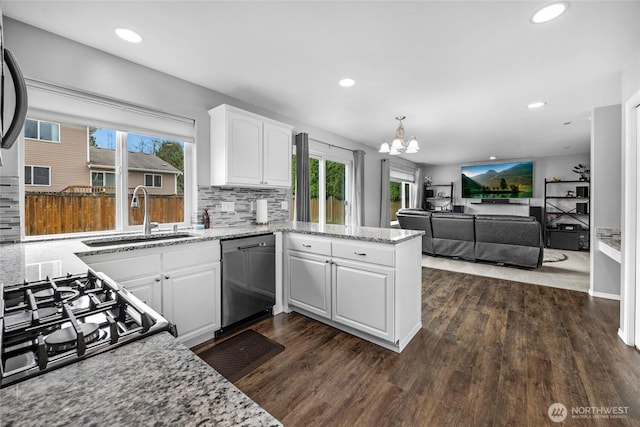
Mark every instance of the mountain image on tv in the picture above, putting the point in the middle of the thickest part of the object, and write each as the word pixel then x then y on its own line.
pixel 498 180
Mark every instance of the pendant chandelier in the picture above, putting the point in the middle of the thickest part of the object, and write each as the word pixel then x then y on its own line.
pixel 398 145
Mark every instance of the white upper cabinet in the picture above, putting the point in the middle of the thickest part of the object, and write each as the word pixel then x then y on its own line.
pixel 248 149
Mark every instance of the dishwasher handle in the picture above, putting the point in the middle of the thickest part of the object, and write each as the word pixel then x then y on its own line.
pixel 257 245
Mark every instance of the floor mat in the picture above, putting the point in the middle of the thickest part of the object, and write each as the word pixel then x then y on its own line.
pixel 239 355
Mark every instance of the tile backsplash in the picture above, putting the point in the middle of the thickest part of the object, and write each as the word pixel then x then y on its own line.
pixel 9 209
pixel 212 199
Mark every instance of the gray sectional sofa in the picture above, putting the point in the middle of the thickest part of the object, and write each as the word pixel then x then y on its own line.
pixel 502 239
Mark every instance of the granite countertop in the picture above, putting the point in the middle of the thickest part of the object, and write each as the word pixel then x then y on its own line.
pixel 369 234
pixel 35 260
pixel 610 236
pixel 154 381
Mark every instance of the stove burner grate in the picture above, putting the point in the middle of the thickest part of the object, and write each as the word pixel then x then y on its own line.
pixel 67 338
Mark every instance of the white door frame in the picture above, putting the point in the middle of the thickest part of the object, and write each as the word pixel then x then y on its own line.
pixel 629 330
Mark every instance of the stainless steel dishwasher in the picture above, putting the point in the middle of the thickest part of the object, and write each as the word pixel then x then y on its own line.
pixel 248 280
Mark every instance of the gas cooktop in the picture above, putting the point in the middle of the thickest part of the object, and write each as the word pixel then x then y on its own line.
pixel 50 323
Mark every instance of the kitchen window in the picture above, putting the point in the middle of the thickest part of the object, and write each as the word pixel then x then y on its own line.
pixel 41 130
pixel 81 150
pixel 105 148
pixel 37 175
pixel 153 180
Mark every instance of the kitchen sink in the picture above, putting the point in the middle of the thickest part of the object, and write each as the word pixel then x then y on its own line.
pixel 140 238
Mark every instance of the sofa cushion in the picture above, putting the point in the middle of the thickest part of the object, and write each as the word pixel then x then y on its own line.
pixel 417 219
pixel 453 226
pixel 511 232
pixel 505 218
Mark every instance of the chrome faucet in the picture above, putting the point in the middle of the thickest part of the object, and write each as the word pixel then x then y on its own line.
pixel 146 224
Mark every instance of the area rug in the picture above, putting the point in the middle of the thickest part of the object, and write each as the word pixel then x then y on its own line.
pixel 239 355
pixel 554 256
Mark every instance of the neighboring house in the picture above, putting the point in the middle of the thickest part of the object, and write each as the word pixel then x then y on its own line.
pixel 146 169
pixel 58 158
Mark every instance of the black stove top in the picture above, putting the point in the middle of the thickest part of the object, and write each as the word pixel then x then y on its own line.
pixel 50 323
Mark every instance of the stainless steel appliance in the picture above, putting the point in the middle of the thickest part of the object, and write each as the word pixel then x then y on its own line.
pixel 248 280
pixel 13 96
pixel 50 323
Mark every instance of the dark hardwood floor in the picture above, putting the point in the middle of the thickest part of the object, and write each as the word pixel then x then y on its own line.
pixel 490 352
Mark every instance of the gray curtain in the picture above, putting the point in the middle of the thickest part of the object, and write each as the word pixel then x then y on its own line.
pixel 358 197
pixel 419 193
pixel 385 205
pixel 302 178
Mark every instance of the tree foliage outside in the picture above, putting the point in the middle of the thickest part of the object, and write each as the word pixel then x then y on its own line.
pixel 395 191
pixel 334 176
pixel 172 152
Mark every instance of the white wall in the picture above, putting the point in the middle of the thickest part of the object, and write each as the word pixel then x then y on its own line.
pixel 606 137
pixel 54 59
pixel 544 167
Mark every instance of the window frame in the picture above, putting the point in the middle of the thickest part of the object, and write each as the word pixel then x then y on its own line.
pixel 407 189
pixel 32 175
pixel 153 179
pixel 322 190
pixel 39 133
pixel 104 176
pixel 121 179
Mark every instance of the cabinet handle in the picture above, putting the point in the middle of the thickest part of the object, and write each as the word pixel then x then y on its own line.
pixel 158 279
pixel 360 253
pixel 167 277
pixel 304 245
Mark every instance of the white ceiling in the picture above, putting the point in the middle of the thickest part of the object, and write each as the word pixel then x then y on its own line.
pixel 461 71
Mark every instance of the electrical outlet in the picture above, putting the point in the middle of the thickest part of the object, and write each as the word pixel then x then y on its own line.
pixel 284 205
pixel 227 207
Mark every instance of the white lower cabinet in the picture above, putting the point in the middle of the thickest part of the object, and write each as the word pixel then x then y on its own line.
pixel 362 297
pixel 371 290
pixel 148 289
pixel 192 300
pixel 310 284
pixel 181 282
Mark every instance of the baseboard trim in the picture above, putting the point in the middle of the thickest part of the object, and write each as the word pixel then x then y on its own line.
pixel 604 295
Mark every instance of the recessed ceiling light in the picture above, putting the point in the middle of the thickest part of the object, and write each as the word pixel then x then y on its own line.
pixel 536 104
pixel 492 158
pixel 128 35
pixel 347 82
pixel 549 12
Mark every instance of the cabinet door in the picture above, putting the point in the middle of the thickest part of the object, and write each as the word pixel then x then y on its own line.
pixel 362 297
pixel 277 155
pixel 147 289
pixel 123 267
pixel 244 148
pixel 191 300
pixel 310 282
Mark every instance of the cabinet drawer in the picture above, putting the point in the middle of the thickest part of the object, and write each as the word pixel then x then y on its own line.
pixel 191 255
pixel 120 269
pixel 366 252
pixel 311 244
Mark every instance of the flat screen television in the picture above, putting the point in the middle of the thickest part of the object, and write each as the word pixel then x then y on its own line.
pixel 498 180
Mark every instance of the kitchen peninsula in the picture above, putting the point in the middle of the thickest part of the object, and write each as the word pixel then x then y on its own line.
pixel 157 378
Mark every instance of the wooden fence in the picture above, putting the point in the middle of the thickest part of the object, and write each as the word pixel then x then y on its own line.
pixel 334 210
pixel 56 213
